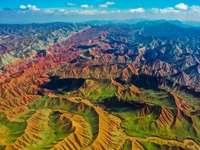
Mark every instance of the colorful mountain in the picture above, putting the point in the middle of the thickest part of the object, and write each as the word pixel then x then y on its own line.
pixel 83 86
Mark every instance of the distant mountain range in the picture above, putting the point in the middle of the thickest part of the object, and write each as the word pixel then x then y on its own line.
pixel 171 29
pixel 134 21
pixel 167 30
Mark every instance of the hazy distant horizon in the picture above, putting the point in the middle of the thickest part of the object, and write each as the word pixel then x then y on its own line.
pixel 187 23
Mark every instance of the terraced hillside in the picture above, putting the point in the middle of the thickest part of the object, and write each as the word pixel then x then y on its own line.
pixel 98 87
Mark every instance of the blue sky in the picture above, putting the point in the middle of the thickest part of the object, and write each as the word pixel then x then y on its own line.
pixel 28 11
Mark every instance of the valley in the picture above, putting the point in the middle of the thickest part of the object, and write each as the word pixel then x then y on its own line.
pixel 84 86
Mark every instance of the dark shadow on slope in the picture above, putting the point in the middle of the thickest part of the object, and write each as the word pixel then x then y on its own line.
pixel 186 89
pixel 62 86
pixel 113 104
pixel 147 81
pixel 157 82
pixel 87 46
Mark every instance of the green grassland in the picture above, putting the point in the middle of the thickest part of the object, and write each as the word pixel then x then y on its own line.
pixel 127 145
pixel 137 125
pixel 12 130
pixel 56 104
pixel 153 146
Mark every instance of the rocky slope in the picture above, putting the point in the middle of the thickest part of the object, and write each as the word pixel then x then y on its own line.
pixel 24 41
pixel 71 86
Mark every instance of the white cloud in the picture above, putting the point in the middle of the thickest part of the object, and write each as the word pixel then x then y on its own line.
pixel 106 4
pixel 83 12
pixel 181 6
pixel 87 12
pixel 32 7
pixel 29 6
pixel 137 10
pixel 71 4
pixel 195 9
pixel 22 7
pixel 165 10
pixel 110 3
pixel 169 10
pixel 48 11
pixel 80 11
pixel 94 12
pixel 86 6
pixel 63 11
pixel 155 10
pixel 103 5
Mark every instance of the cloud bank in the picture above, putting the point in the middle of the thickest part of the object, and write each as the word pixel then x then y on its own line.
pixel 106 4
pixel 86 6
pixel 71 4
pixel 82 12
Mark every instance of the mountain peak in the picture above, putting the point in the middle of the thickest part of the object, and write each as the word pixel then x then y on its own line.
pixel 168 24
pixel 169 30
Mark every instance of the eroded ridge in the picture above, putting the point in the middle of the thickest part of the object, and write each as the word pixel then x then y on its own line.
pixel 78 139
pixel 37 132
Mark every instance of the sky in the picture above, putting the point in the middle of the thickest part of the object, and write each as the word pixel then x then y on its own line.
pixel 40 11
